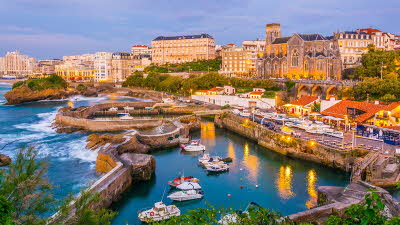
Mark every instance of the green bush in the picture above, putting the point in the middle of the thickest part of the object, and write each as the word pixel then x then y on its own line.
pixel 226 107
pixel 201 65
pixel 269 94
pixel 17 84
pixel 52 82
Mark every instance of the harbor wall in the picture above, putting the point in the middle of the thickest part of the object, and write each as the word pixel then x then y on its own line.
pixel 287 145
pixel 106 125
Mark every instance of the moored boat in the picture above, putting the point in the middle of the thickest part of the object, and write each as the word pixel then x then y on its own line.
pixel 180 180
pixel 189 186
pixel 217 167
pixel 186 195
pixel 159 212
pixel 194 146
pixel 206 158
pixel 125 116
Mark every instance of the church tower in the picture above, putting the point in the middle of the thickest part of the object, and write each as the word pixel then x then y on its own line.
pixel 272 31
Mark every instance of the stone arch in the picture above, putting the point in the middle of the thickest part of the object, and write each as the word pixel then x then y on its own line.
pixel 302 91
pixel 316 91
pixel 331 92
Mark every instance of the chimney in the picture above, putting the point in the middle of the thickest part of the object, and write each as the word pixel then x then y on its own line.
pixel 376 102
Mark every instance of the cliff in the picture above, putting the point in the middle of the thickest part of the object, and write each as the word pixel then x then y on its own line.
pixel 24 94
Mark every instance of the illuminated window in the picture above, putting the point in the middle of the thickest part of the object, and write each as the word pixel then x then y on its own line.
pixel 295 58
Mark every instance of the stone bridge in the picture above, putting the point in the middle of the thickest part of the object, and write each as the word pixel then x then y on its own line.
pixel 322 89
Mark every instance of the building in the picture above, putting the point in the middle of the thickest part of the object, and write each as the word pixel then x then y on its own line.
pixel 72 71
pixel 180 49
pixel 216 91
pixel 141 61
pixel 102 66
pixel 141 50
pixel 234 100
pixel 300 56
pixel 302 106
pixel 242 60
pixel 381 40
pixel 47 66
pixel 122 66
pixel 397 42
pixel 352 45
pixel 15 64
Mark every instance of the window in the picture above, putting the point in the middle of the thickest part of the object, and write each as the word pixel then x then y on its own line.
pixel 295 58
pixel 305 66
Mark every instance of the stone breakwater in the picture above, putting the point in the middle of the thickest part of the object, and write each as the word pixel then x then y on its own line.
pixel 287 145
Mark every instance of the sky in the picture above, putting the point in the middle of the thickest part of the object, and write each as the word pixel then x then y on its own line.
pixel 48 29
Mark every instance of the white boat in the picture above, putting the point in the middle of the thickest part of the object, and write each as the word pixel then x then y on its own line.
pixel 206 158
pixel 217 167
pixel 159 212
pixel 194 146
pixel 113 109
pixel 125 116
pixel 186 195
pixel 189 186
pixel 129 108
pixel 337 134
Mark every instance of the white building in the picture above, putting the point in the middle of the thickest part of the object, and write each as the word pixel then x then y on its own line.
pixel 13 63
pixel 233 100
pixel 102 66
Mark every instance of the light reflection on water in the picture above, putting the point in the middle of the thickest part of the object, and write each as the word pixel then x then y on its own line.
pixel 208 133
pixel 311 188
pixel 284 182
pixel 250 162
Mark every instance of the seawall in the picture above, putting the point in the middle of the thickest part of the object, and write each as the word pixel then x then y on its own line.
pixel 287 145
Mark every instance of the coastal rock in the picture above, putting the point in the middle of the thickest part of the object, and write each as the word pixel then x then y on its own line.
pixel 142 166
pixel 24 94
pixel 97 140
pixel 90 93
pixel 4 160
pixel 133 145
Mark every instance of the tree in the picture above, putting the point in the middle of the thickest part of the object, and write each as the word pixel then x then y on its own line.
pixel 24 184
pixel 374 62
pixel 135 80
pixel 26 196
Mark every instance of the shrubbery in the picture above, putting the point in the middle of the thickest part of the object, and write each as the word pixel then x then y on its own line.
pixel 201 65
pixel 52 82
pixel 175 84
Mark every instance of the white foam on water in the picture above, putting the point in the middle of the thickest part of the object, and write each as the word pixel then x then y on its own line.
pixel 5 83
pixel 43 125
pixel 78 98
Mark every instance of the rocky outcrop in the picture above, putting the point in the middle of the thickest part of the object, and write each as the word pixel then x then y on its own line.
pixel 123 142
pixel 98 140
pixel 142 166
pixel 24 94
pixel 4 160
pixel 145 94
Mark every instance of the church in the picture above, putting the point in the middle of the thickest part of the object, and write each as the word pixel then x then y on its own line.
pixel 300 56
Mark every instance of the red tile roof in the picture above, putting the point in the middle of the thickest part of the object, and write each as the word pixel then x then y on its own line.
pixel 369 30
pixel 393 127
pixel 392 106
pixel 304 100
pixel 340 109
pixel 201 91
pixel 216 89
pixel 256 93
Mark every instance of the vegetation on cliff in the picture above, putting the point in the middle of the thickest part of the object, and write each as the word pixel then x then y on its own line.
pixel 175 84
pixel 26 196
pixel 201 65
pixel 51 82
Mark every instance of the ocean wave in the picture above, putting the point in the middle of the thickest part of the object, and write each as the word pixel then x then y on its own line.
pixel 4 83
pixel 43 125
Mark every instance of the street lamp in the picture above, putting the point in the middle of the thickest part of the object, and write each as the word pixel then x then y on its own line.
pixel 382 67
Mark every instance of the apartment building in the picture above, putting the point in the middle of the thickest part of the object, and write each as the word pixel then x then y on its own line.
pixel 46 66
pixel 241 61
pixel 351 46
pixel 102 66
pixel 381 40
pixel 121 66
pixel 16 64
pixel 141 50
pixel 72 71
pixel 180 49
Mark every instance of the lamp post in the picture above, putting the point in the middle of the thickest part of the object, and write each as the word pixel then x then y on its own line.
pixel 382 67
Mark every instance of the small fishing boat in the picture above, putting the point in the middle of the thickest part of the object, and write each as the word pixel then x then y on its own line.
pixel 125 116
pixel 194 146
pixel 206 158
pixel 159 212
pixel 189 186
pixel 245 113
pixel 180 180
pixel 167 100
pixel 129 108
pixel 217 167
pixel 113 109
pixel 186 195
